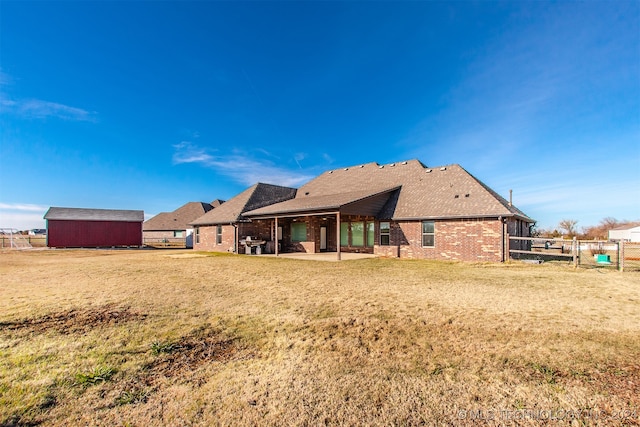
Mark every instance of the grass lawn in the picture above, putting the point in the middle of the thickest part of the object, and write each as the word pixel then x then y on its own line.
pixel 144 337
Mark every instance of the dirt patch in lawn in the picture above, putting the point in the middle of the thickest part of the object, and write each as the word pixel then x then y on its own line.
pixel 191 352
pixel 620 380
pixel 75 320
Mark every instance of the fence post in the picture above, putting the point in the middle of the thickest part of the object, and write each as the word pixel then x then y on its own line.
pixel 621 255
pixel 575 252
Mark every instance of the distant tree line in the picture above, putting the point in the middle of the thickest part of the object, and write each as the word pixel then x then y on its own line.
pixel 567 228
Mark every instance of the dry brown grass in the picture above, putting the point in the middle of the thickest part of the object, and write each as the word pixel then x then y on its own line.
pixel 97 337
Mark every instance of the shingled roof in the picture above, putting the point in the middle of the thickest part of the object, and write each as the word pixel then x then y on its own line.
pixel 422 193
pixel 363 202
pixel 178 219
pixel 86 214
pixel 254 197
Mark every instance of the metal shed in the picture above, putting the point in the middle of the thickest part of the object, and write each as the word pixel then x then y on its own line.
pixel 81 227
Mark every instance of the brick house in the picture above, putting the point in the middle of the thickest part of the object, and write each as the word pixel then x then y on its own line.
pixel 176 225
pixel 222 228
pixel 401 209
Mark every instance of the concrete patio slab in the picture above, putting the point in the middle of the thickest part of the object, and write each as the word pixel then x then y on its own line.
pixel 322 256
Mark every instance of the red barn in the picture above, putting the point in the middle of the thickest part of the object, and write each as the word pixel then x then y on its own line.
pixel 79 227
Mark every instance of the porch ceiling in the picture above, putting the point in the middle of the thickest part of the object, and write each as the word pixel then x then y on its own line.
pixel 366 202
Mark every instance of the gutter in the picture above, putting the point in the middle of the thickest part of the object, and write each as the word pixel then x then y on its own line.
pixel 488 216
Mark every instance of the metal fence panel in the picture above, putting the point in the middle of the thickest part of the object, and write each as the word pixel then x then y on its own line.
pixel 622 256
pixel 630 256
pixel 542 249
pixel 598 253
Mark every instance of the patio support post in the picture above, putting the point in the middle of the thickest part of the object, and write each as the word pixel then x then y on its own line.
pixel 338 234
pixel 276 236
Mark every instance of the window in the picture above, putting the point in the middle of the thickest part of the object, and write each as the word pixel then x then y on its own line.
pixel 371 233
pixel 219 235
pixel 178 233
pixel 357 233
pixel 197 234
pixel 298 232
pixel 385 233
pixel 428 233
pixel 344 234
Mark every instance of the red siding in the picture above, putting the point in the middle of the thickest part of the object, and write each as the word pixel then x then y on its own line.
pixel 93 233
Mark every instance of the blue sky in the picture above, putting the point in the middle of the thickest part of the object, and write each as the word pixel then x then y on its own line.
pixel 149 105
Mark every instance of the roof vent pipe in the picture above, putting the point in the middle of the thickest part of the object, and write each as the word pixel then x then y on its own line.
pixel 510 197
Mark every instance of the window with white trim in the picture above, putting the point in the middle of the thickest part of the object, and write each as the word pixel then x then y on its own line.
pixel 385 233
pixel 428 234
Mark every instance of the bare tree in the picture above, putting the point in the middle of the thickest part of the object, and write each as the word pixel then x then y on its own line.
pixel 609 222
pixel 569 226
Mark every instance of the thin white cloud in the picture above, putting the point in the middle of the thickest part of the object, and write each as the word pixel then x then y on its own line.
pixel 239 167
pixel 23 207
pixel 531 83
pixel 185 152
pixel 549 197
pixel 39 109
pixel 327 158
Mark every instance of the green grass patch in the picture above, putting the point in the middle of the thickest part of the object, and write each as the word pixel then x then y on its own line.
pixel 99 375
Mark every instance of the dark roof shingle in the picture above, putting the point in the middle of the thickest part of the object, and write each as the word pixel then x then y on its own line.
pixel 178 219
pixel 254 197
pixel 442 192
pixel 86 214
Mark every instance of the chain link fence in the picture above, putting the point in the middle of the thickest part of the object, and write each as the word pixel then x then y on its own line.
pixel 6 241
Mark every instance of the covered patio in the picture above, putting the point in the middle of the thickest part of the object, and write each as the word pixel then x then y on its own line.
pixel 337 224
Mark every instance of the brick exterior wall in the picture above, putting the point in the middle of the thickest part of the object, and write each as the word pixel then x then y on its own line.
pixel 464 240
pixel 206 241
pixel 204 238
